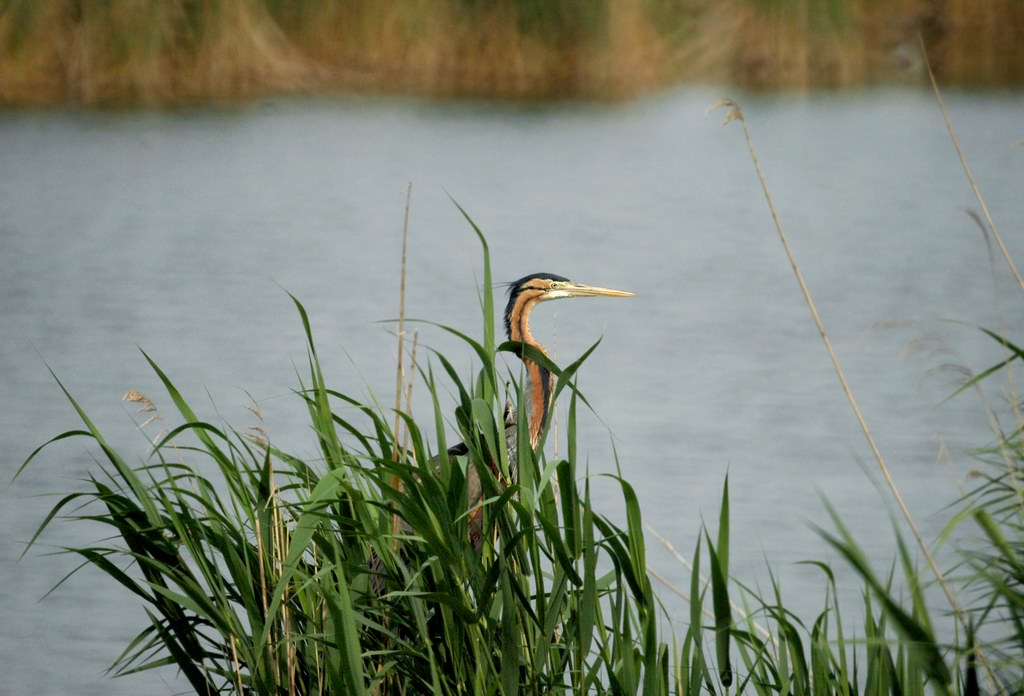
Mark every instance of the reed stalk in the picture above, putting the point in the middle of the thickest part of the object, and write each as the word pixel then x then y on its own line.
pixel 399 371
pixel 736 114
pixel 993 230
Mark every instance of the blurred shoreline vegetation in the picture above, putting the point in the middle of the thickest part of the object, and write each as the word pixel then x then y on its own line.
pixel 160 52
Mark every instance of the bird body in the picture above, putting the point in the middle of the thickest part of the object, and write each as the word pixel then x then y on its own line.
pixel 523 297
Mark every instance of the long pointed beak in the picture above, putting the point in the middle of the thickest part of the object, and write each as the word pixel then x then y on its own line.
pixel 576 290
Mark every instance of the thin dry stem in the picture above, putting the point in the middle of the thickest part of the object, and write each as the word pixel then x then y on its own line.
pixel 1013 399
pixel 736 114
pixel 280 553
pixel 1011 382
pixel 261 557
pixel 1002 248
pixel 276 559
pixel 400 373
pixel 943 455
pixel 1005 453
pixel 286 614
pixel 408 386
pixel 676 591
pixel 967 169
pixel 997 432
pixel 238 667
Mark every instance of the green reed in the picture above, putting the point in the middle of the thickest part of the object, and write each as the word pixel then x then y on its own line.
pixel 277 574
pixel 260 579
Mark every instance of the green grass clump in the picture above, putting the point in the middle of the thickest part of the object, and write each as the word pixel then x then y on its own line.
pixel 284 575
pixel 261 579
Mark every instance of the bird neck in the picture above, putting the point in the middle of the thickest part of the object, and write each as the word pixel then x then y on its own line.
pixel 539 379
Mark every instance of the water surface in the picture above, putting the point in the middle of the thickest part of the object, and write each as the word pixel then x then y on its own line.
pixel 176 232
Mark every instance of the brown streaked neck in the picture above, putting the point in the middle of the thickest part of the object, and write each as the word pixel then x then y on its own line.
pixel 540 379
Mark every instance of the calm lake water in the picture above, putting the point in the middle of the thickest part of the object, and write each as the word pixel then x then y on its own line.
pixel 176 232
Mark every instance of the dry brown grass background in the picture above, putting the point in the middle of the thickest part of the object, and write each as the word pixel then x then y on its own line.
pixel 157 52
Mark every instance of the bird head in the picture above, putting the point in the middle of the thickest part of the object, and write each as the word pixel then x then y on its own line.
pixel 541 287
